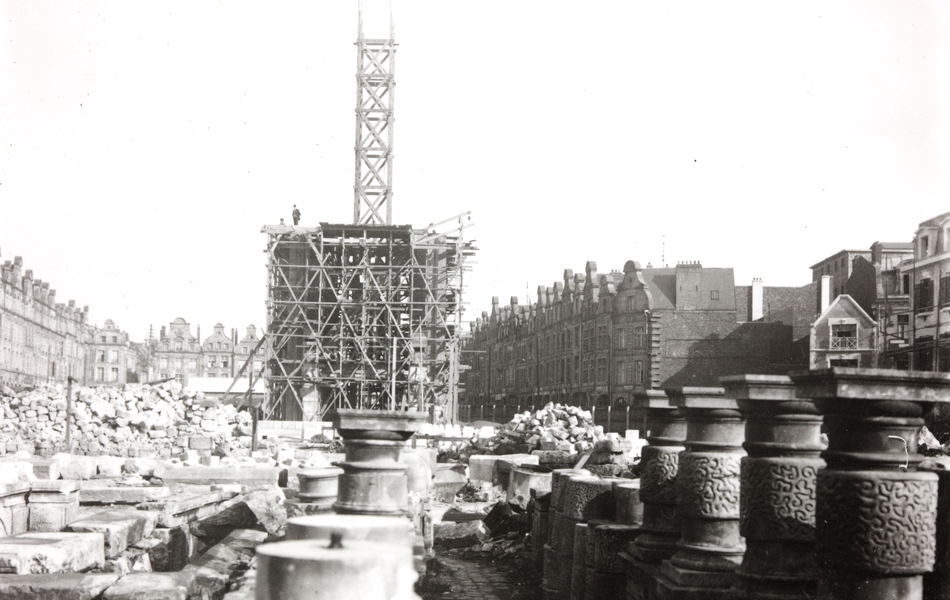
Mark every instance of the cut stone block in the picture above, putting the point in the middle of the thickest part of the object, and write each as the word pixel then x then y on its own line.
pixel 149 586
pixel 120 528
pixel 53 505
pixel 186 507
pixel 248 476
pixel 495 469
pixel 55 586
pixel 169 549
pixel 60 552
pixel 121 495
pixel 14 512
pixel 460 535
pixel 76 467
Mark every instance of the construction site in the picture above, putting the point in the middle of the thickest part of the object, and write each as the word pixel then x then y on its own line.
pixel 651 434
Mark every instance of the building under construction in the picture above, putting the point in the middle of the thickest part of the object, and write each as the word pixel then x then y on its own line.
pixel 365 315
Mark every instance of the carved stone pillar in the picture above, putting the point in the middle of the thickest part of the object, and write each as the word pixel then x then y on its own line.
pixel 779 476
pixel 876 514
pixel 666 429
pixel 659 529
pixel 710 547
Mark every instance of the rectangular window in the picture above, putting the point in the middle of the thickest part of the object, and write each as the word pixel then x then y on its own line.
pixel 905 284
pixel 100 373
pixel 114 375
pixel 619 341
pixel 924 294
pixel 100 356
pixel 224 362
pixel 714 294
pixel 621 373
pixel 115 339
pixel 102 339
pixel 638 372
pixel 113 356
pixel 945 290
pixel 639 336
pixel 924 246
pixel 601 370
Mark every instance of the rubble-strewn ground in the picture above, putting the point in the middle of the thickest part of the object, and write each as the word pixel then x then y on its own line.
pixel 465 574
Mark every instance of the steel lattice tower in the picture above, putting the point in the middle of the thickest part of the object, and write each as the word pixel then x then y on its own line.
pixel 375 87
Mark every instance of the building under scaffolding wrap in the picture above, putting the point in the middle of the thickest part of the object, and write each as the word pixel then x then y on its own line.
pixel 363 316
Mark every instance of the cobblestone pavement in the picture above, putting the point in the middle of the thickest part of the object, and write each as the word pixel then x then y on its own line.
pixel 465 575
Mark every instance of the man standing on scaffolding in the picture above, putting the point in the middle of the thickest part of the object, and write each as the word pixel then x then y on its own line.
pixel 296 215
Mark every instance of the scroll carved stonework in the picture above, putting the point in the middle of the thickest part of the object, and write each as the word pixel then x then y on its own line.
pixel 658 480
pixel 779 503
pixel 877 521
pixel 708 485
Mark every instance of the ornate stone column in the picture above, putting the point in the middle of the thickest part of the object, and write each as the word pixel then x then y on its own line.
pixel 666 433
pixel 777 497
pixel 374 481
pixel 710 547
pixel 876 514
pixel 659 529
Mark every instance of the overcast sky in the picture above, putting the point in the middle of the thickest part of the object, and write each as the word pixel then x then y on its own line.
pixel 143 144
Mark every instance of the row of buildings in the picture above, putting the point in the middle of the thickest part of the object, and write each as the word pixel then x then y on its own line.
pixel 42 340
pixel 597 338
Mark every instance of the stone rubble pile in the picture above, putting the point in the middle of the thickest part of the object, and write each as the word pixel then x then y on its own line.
pixel 554 427
pixel 117 421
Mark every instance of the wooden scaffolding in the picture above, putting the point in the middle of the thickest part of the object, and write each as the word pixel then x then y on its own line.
pixel 363 316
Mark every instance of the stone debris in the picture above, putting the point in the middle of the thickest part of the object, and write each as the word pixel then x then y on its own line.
pixel 460 535
pixel 121 422
pixel 557 427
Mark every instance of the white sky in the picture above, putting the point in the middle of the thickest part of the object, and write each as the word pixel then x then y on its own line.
pixel 143 144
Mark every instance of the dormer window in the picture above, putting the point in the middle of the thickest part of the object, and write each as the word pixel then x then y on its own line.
pixel 924 246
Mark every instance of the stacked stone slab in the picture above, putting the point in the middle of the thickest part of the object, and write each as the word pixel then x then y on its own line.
pixel 120 528
pixel 778 483
pixel 51 552
pixel 550 587
pixel 53 504
pixel 660 463
pixel 710 547
pixel 876 514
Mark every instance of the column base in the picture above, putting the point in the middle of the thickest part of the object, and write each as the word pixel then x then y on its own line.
pixel 689 578
pixel 641 577
pixel 862 586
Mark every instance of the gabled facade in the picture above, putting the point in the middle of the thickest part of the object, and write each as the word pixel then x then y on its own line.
pixel 844 335
pixel 218 354
pixel 107 355
pixel 919 338
pixel 177 353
